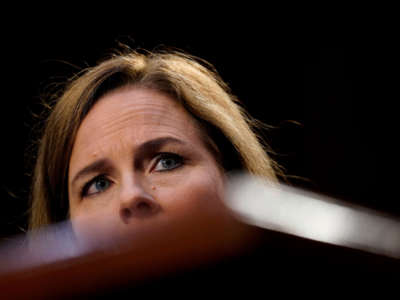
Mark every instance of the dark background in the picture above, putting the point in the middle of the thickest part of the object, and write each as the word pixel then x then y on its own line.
pixel 316 85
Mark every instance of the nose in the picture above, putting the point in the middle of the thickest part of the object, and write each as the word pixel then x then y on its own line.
pixel 136 203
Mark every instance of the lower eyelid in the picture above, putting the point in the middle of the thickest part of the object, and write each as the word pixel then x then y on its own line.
pixel 87 186
pixel 180 160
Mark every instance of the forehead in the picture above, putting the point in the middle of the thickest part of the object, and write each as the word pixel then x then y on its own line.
pixel 135 114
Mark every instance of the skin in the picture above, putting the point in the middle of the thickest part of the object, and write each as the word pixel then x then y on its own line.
pixel 132 184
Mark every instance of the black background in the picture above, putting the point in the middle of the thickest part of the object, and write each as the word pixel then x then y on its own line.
pixel 314 82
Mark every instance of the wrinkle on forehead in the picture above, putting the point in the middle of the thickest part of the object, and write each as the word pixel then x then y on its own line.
pixel 133 115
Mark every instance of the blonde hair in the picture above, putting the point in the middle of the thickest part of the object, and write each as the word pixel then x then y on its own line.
pixel 190 80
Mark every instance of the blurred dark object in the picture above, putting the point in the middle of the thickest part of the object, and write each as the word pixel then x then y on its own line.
pixel 202 255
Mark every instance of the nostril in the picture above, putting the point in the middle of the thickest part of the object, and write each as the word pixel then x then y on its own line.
pixel 126 213
pixel 143 206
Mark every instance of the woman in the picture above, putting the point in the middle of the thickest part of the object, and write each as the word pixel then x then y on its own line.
pixel 141 136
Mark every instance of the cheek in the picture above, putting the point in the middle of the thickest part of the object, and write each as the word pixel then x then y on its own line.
pixel 86 207
pixel 93 218
pixel 198 190
pixel 97 223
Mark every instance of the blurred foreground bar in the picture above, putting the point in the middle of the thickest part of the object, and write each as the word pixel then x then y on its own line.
pixel 208 252
pixel 55 266
pixel 207 256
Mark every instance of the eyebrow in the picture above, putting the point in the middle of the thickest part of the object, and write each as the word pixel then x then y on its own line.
pixel 104 164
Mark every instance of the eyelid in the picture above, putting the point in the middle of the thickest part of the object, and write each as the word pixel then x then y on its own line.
pixel 163 155
pixel 89 183
pixel 160 155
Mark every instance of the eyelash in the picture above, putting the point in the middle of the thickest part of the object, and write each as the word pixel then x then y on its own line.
pixel 163 155
pixel 86 187
pixel 168 155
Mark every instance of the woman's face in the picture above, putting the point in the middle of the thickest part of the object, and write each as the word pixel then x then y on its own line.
pixel 138 157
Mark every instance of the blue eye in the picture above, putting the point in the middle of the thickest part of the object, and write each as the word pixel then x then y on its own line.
pixel 95 186
pixel 168 161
